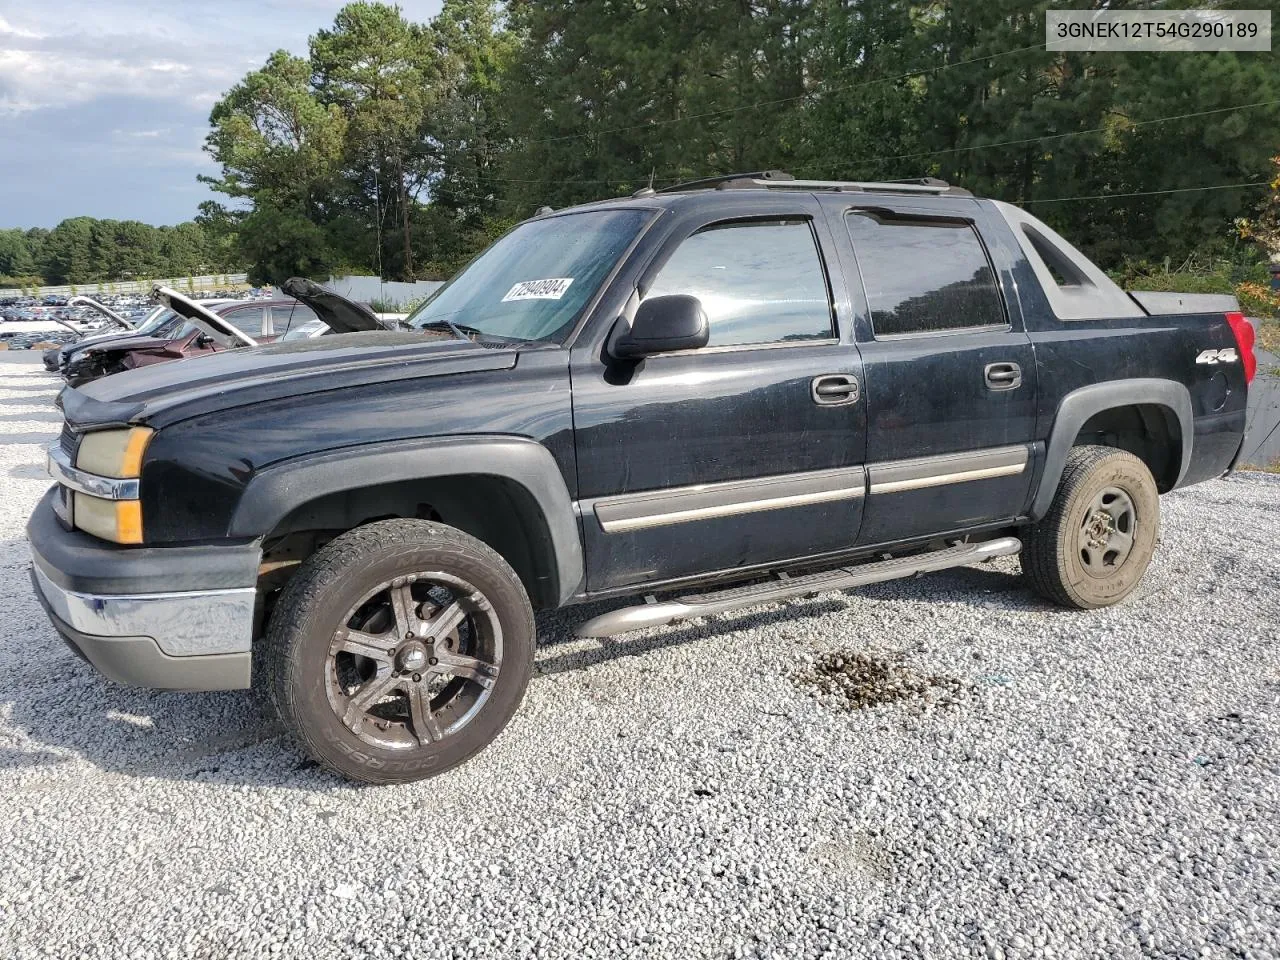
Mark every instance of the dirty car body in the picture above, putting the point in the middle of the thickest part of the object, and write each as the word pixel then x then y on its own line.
pixel 729 393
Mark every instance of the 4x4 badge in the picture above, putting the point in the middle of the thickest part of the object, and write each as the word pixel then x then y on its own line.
pixel 1218 356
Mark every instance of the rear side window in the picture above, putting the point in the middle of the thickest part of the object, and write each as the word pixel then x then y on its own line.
pixel 924 276
pixel 247 320
pixel 759 281
pixel 287 317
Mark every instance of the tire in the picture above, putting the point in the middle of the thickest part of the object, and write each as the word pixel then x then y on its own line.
pixel 1076 556
pixel 352 665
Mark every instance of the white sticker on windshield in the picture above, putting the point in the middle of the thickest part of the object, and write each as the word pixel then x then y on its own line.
pixel 552 289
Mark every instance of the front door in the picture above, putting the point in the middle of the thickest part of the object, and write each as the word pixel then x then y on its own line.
pixel 950 374
pixel 740 454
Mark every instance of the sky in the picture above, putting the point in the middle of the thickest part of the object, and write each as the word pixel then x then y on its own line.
pixel 104 104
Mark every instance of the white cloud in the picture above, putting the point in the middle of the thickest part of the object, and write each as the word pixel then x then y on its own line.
pixel 32 80
pixel 8 30
pixel 114 96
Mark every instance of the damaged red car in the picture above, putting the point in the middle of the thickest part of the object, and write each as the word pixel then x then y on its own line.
pixel 192 328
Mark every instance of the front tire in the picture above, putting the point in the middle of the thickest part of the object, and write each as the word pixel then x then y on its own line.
pixel 398 650
pixel 1094 545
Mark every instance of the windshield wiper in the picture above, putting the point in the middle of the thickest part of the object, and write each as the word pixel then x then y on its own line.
pixel 460 330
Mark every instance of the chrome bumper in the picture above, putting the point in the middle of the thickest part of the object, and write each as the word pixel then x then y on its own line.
pixel 191 624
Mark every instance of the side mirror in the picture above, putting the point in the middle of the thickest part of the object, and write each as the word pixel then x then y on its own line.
pixel 662 324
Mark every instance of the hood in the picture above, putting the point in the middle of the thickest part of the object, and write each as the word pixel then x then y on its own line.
pixel 215 326
pixel 120 341
pixel 168 392
pixel 339 314
pixel 105 311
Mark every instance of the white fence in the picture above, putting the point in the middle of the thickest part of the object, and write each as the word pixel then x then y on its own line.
pixel 390 292
pixel 213 281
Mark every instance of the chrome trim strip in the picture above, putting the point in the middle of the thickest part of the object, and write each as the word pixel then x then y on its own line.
pixel 655 508
pixel 108 488
pixel 192 623
pixel 902 475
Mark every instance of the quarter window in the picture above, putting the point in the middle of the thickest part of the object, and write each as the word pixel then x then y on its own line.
pixel 290 316
pixel 759 281
pixel 924 275
pixel 248 320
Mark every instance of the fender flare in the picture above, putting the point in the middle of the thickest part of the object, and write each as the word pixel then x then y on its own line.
pixel 1079 405
pixel 277 490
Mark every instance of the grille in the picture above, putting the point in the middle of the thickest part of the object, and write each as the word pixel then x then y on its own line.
pixel 69 440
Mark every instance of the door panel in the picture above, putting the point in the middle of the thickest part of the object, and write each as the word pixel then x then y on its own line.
pixel 950 378
pixel 708 460
pixel 932 414
pixel 727 457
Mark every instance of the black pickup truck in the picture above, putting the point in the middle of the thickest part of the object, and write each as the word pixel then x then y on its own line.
pixel 722 394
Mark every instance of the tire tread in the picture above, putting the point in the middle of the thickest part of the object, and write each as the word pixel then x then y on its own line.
pixel 278 672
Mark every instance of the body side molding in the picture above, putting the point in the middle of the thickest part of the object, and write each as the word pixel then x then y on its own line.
pixel 1079 405
pixel 895 476
pixel 655 508
pixel 277 490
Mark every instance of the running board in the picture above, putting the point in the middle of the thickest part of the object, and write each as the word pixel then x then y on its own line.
pixel 654 613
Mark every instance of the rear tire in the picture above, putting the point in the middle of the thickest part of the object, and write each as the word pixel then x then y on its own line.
pixel 398 650
pixel 1095 543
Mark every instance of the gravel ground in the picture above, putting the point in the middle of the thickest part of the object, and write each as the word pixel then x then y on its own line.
pixel 1026 783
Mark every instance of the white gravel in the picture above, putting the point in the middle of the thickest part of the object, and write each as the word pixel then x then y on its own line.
pixel 1104 785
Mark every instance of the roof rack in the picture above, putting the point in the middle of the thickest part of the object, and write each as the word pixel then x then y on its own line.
pixel 780 180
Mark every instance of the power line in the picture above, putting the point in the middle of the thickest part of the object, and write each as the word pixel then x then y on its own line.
pixel 1070 133
pixel 1148 193
pixel 931 153
pixel 773 103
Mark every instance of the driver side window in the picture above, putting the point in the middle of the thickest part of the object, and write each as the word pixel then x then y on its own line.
pixel 759 281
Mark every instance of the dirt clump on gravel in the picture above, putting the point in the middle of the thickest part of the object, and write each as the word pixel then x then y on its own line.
pixel 855 681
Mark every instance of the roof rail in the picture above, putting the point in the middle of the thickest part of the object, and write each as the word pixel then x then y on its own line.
pixel 708 182
pixel 779 180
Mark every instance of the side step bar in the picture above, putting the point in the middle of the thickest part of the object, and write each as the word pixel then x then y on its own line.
pixel 654 613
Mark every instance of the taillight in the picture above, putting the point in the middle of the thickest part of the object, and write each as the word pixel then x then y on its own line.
pixel 1243 331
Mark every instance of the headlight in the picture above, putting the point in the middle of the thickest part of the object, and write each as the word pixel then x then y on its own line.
pixel 114 453
pixel 119 521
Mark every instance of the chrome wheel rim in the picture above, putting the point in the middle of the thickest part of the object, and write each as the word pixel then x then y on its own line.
pixel 414 661
pixel 1107 531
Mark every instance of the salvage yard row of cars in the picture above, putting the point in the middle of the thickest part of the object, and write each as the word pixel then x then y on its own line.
pixel 180 327
pixel 728 392
pixel 27 322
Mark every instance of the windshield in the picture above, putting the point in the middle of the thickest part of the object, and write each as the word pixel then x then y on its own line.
pixel 534 282
pixel 156 319
pixel 305 331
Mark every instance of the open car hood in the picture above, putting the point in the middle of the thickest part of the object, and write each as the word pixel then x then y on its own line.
pixel 204 318
pixel 107 312
pixel 339 314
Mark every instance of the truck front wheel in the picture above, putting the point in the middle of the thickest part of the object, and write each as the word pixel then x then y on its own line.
pixel 1093 546
pixel 398 650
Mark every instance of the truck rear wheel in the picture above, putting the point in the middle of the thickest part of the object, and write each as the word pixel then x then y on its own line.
pixel 398 650
pixel 1093 546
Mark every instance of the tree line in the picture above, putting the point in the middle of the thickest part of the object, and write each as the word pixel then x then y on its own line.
pixel 85 250
pixel 402 148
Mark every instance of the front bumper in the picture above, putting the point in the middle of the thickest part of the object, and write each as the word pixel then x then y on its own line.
pixel 106 601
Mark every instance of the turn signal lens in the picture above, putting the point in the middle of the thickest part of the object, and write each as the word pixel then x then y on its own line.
pixel 119 521
pixel 114 453
pixel 1244 335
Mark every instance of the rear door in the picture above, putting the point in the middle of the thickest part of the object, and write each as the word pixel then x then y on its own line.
pixel 950 373
pixel 729 456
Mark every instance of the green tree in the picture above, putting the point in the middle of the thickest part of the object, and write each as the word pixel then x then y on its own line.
pixel 68 252
pixel 377 69
pixel 15 254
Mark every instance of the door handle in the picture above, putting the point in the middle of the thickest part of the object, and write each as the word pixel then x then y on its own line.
pixel 1002 376
pixel 832 389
